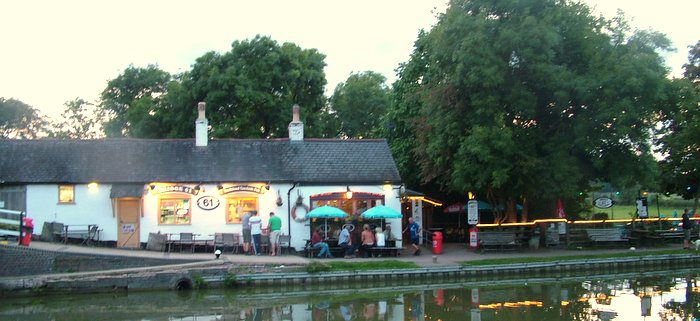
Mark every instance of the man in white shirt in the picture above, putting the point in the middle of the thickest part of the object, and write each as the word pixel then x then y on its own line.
pixel 255 230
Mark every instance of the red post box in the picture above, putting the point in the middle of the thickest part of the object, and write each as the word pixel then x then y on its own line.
pixel 26 232
pixel 437 242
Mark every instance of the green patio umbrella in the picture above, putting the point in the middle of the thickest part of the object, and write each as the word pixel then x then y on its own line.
pixel 326 212
pixel 381 212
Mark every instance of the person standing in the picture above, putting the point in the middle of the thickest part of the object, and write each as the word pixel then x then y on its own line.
pixel 255 231
pixel 245 223
pixel 687 226
pixel 414 233
pixel 275 225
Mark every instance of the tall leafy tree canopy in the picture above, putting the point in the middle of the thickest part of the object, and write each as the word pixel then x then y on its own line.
pixel 359 105
pixel 527 100
pixel 680 142
pixel 249 90
pixel 19 120
pixel 80 120
pixel 132 100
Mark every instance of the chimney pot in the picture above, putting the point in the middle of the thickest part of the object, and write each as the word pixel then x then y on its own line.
pixel 201 107
pixel 201 126
pixel 296 127
pixel 295 114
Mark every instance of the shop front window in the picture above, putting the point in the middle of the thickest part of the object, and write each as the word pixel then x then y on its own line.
pixel 175 211
pixel 238 206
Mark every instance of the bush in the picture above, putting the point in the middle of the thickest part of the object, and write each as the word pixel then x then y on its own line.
pixel 230 281
pixel 199 282
pixel 600 216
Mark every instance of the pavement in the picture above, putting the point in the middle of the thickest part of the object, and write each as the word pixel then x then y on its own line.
pixel 453 254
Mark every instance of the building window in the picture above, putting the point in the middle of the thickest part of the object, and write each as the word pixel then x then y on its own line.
pixel 175 211
pixel 66 194
pixel 238 206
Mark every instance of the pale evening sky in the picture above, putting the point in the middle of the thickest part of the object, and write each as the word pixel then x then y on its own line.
pixel 55 51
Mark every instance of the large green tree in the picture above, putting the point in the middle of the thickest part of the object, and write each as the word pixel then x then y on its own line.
pixel 680 140
pixel 133 100
pixel 359 105
pixel 250 89
pixel 528 100
pixel 80 120
pixel 20 120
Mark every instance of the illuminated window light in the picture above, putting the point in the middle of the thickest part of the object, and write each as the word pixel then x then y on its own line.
pixel 93 188
pixel 348 194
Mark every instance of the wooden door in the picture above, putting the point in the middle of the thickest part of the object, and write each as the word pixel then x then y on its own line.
pixel 128 215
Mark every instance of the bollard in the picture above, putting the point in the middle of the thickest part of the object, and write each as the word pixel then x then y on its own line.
pixel 434 258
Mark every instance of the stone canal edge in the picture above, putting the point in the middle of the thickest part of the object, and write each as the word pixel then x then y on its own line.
pixel 222 273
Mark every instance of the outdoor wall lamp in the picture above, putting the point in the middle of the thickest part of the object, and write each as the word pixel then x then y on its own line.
pixel 348 194
pixel 152 186
pixel 267 187
pixel 219 186
pixel 197 188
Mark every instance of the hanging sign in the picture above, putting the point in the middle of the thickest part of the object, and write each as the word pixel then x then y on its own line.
pixel 241 188
pixel 473 237
pixel 603 202
pixel 208 203
pixel 473 212
pixel 176 189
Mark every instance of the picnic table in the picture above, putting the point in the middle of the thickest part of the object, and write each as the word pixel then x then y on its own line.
pixel 89 234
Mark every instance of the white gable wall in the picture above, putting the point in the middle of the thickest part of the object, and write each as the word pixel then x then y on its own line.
pixel 89 208
pixel 96 208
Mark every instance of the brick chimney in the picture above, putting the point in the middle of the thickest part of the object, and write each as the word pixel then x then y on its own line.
pixel 201 126
pixel 296 127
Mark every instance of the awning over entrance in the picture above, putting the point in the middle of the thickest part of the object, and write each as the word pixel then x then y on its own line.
pixel 126 190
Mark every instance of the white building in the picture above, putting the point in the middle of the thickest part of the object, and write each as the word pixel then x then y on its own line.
pixel 133 187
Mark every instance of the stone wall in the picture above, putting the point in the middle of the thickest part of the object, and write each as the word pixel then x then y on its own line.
pixel 21 261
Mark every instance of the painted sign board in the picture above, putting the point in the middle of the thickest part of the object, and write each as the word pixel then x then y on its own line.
pixel 603 202
pixel 473 212
pixel 208 203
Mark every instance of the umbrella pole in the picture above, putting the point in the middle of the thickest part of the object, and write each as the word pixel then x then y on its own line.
pixel 325 228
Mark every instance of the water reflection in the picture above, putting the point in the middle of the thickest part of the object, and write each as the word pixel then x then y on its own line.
pixel 670 297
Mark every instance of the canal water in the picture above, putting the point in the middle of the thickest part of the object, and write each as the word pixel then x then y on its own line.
pixel 665 295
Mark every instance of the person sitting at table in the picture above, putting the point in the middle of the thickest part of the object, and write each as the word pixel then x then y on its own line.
pixel 367 240
pixel 379 236
pixel 345 242
pixel 387 233
pixel 318 243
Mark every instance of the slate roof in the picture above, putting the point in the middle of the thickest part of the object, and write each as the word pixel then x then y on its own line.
pixel 179 160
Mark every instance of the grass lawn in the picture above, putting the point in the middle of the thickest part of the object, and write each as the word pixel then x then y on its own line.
pixel 628 211
pixel 574 257
pixel 315 267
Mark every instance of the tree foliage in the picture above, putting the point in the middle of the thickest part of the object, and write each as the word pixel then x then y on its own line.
pixel 250 90
pixel 133 102
pixel 80 120
pixel 527 100
pixel 359 105
pixel 680 140
pixel 20 120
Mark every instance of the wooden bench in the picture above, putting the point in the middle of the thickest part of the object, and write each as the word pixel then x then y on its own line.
pixel 497 240
pixel 606 235
pixel 89 234
pixel 312 252
pixel 381 251
pixel 666 234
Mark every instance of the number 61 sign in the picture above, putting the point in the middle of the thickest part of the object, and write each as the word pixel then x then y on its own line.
pixel 208 203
